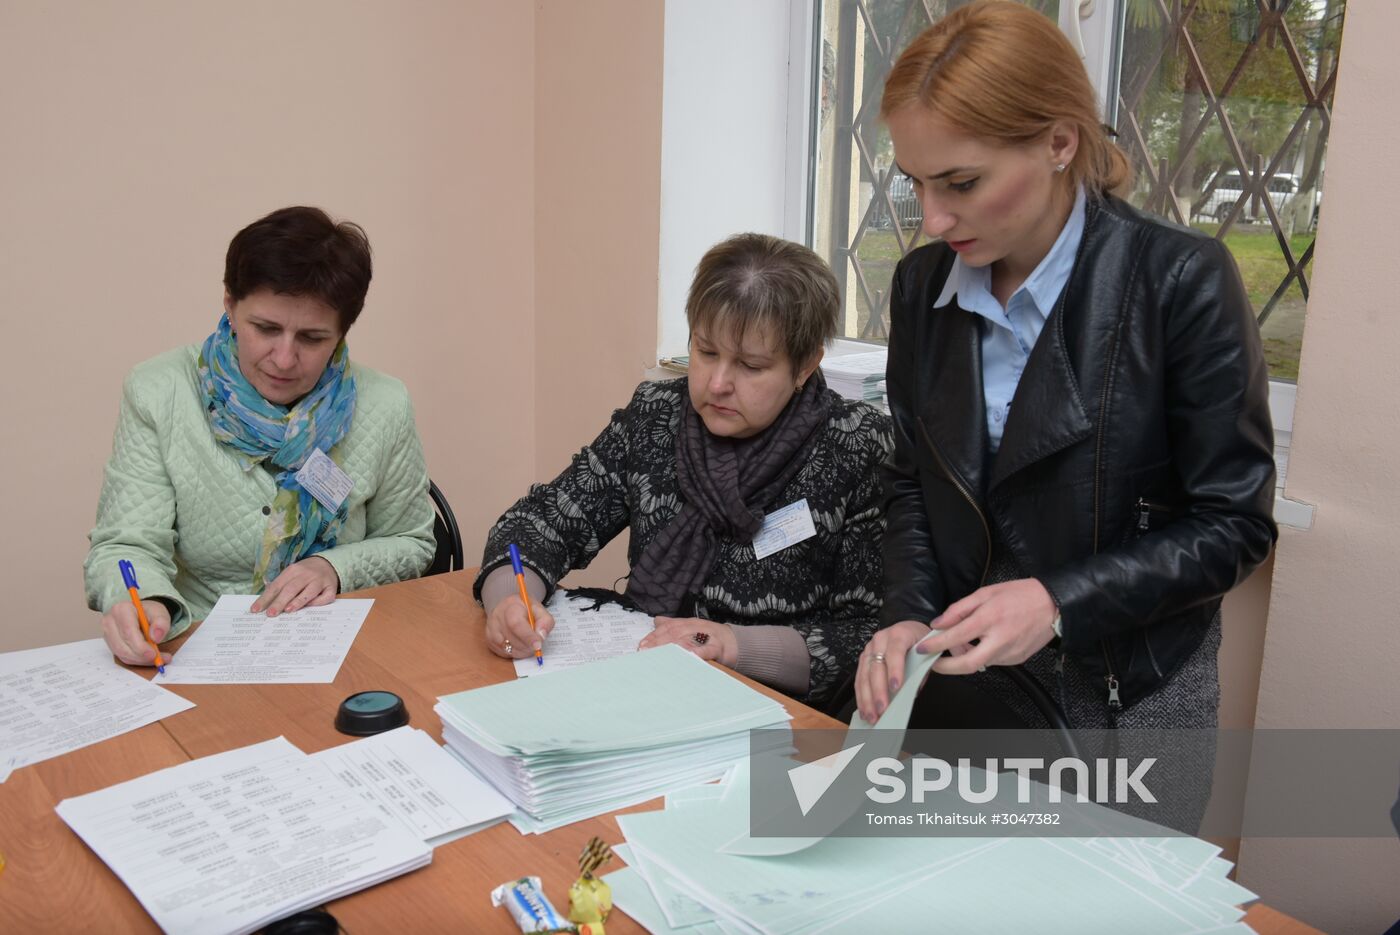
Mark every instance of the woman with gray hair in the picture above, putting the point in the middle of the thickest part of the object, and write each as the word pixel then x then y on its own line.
pixel 694 465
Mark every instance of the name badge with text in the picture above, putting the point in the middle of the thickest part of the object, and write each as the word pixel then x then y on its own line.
pixel 324 480
pixel 782 528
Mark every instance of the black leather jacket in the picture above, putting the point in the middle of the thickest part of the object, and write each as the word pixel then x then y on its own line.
pixel 1135 478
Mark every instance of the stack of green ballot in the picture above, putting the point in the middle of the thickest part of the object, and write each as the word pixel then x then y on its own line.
pixel 686 874
pixel 603 736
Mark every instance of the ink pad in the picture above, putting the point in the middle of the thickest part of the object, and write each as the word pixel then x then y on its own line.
pixel 372 712
pixel 309 922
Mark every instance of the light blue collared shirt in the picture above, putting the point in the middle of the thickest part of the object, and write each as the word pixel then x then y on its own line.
pixel 1006 345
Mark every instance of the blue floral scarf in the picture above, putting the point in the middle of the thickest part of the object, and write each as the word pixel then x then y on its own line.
pixel 259 430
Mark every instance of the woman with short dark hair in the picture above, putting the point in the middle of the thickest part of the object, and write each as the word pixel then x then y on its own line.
pixel 202 493
pixel 694 465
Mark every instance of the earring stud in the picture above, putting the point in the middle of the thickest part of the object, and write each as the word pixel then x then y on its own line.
pixel 1060 167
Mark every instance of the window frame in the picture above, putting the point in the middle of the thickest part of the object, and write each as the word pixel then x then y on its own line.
pixel 700 206
pixel 714 117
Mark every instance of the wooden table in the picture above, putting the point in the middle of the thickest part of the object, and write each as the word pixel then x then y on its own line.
pixel 422 639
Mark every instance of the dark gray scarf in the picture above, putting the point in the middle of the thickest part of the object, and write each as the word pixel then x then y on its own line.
pixel 728 484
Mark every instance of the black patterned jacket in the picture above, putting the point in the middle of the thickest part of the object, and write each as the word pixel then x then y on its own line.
pixel 828 587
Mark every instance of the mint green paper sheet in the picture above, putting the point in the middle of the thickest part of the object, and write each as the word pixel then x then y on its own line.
pixel 628 702
pixel 887 740
pixel 631 895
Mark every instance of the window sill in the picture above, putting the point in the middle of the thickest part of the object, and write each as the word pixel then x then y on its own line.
pixel 1294 514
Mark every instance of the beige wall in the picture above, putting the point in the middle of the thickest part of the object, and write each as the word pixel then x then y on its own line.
pixel 139 136
pixel 597 224
pixel 504 158
pixel 1333 646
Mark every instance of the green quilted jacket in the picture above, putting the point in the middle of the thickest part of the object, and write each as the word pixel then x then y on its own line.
pixel 182 508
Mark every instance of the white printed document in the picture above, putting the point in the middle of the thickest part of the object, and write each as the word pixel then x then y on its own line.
pixel 405 775
pixel 235 646
pixel 586 630
pixel 61 698
pixel 231 842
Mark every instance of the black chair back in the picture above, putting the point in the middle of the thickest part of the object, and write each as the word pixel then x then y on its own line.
pixel 448 556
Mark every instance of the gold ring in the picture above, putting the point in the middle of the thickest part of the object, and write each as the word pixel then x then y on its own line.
pixel 878 657
pixel 507 648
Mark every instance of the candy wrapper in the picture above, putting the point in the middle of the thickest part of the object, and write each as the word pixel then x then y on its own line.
pixel 529 907
pixel 590 899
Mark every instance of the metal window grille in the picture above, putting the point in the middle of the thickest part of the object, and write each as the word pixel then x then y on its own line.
pixel 1223 108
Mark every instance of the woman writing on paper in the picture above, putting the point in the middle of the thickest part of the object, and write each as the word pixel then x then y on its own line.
pixel 696 467
pixel 202 492
pixel 1083 456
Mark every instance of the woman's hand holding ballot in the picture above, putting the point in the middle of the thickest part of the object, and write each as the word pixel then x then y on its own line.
pixel 881 667
pixel 1010 622
pixel 705 638
pixel 121 628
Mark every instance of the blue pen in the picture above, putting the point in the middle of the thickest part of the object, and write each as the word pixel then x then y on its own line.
pixel 129 578
pixel 524 594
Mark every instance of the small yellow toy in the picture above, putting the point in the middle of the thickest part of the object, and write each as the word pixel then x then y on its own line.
pixel 590 899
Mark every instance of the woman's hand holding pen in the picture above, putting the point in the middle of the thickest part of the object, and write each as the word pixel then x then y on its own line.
pixel 508 630
pixel 122 630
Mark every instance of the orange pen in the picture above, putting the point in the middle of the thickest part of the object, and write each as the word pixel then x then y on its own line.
pixel 129 578
pixel 524 594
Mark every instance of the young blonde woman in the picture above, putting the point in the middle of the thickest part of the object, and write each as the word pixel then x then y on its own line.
pixel 1083 456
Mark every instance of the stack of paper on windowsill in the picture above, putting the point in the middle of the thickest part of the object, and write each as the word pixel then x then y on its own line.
pixel 858 376
pixel 600 737
pixel 231 842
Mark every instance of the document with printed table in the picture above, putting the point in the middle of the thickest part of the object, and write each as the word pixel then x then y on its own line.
pixel 586 630
pixel 59 698
pixel 235 646
pixel 407 776
pixel 233 841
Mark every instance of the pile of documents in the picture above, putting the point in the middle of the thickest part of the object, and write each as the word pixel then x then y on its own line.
pixel 599 737
pixel 406 776
pixel 60 698
pixel 231 842
pixel 684 875
pixel 858 376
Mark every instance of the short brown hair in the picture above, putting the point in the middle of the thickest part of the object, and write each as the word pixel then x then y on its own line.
pixel 301 251
pixel 754 280
pixel 1001 71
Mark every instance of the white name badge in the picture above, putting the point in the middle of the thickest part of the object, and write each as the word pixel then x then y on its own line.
pixel 324 480
pixel 782 528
